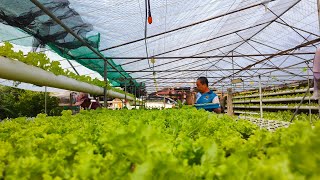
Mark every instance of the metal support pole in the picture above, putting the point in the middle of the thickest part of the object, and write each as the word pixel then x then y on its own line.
pixel 260 93
pixel 135 99
pixel 144 101
pixel 164 102
pixel 222 100
pixel 45 99
pixel 309 96
pixel 222 91
pixel 233 85
pixel 139 90
pixel 73 67
pixel 232 64
pixel 244 99
pixel 141 98
pixel 125 95
pixel 229 102
pixel 105 97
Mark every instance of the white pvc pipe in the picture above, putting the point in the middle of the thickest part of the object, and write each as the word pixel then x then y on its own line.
pixel 18 71
pixel 278 107
pixel 275 93
pixel 270 100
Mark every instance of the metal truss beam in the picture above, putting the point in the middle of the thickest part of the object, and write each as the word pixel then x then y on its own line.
pixel 190 25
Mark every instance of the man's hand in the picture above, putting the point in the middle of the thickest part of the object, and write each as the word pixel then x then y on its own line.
pixel 218 110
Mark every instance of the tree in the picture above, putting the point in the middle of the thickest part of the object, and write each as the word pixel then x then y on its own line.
pixel 17 102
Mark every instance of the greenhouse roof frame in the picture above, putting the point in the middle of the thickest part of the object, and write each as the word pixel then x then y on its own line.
pixel 218 39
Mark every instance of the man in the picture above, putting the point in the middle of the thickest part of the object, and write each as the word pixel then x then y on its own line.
pixel 85 102
pixel 206 99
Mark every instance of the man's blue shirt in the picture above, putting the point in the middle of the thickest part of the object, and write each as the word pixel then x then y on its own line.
pixel 208 101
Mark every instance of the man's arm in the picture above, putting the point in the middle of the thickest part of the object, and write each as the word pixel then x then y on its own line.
pixel 216 101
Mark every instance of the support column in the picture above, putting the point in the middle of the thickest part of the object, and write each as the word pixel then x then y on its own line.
pixel 164 102
pixel 222 91
pixel 144 101
pixel 229 102
pixel 105 97
pixel 135 99
pixel 142 105
pixel 309 95
pixel 244 99
pixel 139 92
pixel 260 93
pixel 45 99
pixel 125 94
pixel 222 102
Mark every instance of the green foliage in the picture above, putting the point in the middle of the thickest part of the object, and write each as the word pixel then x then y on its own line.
pixel 155 144
pixel 42 61
pixel 17 102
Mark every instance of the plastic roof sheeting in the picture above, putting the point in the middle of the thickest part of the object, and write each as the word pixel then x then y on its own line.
pixel 267 28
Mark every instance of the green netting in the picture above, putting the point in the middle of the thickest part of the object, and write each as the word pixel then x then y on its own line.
pixel 115 78
pixel 27 19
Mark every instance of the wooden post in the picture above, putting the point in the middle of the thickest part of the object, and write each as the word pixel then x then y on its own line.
pixel 190 98
pixel 229 102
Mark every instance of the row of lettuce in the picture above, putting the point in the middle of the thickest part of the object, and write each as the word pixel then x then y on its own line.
pixel 154 144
